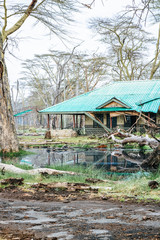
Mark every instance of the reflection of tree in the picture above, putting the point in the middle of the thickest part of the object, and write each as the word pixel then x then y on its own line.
pixel 136 157
pixel 153 160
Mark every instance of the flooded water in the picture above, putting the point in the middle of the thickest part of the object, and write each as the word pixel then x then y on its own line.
pixel 115 160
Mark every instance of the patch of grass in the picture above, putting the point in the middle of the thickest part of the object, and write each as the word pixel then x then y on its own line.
pixel 136 187
pixel 15 154
pixel 158 135
pixel 23 166
pixel 84 146
pixel 27 177
pixel 146 147
pixel 65 178
pixel 155 175
pixel 87 171
pixel 124 188
pixel 131 146
pixel 70 140
pixel 59 145
pixel 17 164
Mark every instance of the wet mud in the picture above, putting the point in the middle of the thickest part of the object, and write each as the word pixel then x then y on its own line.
pixel 68 216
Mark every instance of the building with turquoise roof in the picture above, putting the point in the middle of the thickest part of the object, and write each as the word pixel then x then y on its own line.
pixel 115 104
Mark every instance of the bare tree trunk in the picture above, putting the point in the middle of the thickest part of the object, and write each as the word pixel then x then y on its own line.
pixel 8 138
pixel 11 168
pixel 154 159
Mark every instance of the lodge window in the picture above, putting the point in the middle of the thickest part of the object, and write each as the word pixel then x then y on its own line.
pixel 129 120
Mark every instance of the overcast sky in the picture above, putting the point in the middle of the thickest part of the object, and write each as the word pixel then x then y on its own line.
pixel 33 40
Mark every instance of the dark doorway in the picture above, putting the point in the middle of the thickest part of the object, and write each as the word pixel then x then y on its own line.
pixel 129 121
pixel 108 120
pixel 152 116
pixel 114 122
pixel 100 117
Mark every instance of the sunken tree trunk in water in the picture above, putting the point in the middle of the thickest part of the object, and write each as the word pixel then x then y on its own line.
pixel 8 137
pixel 153 161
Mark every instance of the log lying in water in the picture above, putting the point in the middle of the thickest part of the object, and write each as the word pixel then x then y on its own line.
pixel 11 168
pixel 154 159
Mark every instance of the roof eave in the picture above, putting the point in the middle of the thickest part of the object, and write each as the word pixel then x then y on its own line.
pixel 115 100
pixel 64 113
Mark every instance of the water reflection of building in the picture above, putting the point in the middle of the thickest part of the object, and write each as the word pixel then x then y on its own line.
pixel 111 161
pixel 108 161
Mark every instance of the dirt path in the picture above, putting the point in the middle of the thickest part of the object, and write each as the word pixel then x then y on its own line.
pixel 75 220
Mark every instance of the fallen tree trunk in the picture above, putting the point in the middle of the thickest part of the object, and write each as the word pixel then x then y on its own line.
pixel 131 138
pixel 10 168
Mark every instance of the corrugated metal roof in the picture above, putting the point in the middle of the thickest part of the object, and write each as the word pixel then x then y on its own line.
pixel 22 113
pixel 151 106
pixel 133 93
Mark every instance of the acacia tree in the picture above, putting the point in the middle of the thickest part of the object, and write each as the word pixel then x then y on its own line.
pixel 45 77
pixel 57 76
pixel 127 47
pixel 85 72
pixel 54 15
pixel 144 12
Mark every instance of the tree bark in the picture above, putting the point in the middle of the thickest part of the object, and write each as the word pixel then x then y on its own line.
pixel 131 138
pixel 11 168
pixel 8 137
pixel 153 161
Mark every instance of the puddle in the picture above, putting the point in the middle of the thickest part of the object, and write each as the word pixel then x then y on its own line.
pixel 61 234
pixel 79 220
pixel 75 213
pixel 31 217
pixel 104 221
pixel 99 231
pixel 154 224
pixel 115 160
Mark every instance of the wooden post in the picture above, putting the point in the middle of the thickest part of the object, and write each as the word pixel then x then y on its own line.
pixel 48 124
pixel 23 124
pixel 76 121
pixel 110 122
pixel 73 121
pixel 81 121
pixel 61 121
pixel 149 115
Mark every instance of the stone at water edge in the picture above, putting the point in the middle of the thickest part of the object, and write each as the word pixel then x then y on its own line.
pixel 63 133
pixel 153 184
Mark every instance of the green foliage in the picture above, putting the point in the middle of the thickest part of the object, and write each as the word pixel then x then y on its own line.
pixel 136 186
pixel 32 130
pixel 17 164
pixel 87 171
pixel 146 147
pixel 158 135
pixel 27 177
pixel 65 178
pixel 15 154
pixel 59 145
pixel 131 146
pixel 23 166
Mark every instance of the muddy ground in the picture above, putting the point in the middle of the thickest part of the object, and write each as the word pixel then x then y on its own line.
pixel 73 216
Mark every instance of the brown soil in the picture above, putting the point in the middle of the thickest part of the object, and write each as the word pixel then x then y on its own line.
pixel 61 214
